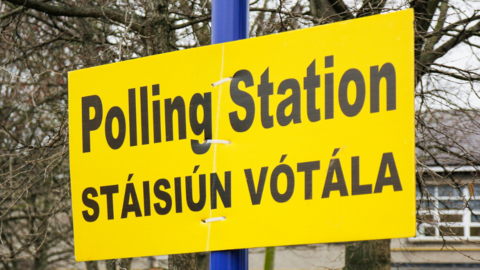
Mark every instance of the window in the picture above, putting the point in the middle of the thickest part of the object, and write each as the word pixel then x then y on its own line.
pixel 442 212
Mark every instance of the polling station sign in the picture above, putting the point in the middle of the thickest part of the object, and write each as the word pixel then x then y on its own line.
pixel 313 142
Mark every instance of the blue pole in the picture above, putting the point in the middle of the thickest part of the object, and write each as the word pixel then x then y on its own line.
pixel 229 23
pixel 229 20
pixel 229 259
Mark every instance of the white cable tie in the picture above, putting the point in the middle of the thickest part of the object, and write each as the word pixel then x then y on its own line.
pixel 218 141
pixel 214 219
pixel 215 84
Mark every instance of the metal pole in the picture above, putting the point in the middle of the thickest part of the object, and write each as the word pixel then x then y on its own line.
pixel 229 23
pixel 229 259
pixel 229 20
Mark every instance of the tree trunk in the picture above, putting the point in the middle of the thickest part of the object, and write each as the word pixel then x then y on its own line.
pixel 157 31
pixel 91 265
pixel 182 262
pixel 203 260
pixel 126 263
pixel 111 264
pixel 41 258
pixel 368 255
pixel 269 258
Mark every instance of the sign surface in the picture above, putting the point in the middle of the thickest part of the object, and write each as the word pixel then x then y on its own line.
pixel 321 125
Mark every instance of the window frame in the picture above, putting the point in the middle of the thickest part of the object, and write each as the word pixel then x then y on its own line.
pixel 436 212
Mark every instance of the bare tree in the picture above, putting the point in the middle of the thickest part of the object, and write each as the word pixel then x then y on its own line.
pixel 43 40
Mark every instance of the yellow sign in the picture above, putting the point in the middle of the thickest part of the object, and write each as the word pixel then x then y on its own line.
pixel 310 140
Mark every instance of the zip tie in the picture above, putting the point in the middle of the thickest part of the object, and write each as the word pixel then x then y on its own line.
pixel 218 141
pixel 215 84
pixel 213 219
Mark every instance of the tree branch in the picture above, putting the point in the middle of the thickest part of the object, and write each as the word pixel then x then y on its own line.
pixel 371 7
pixel 195 21
pixel 86 12
pixel 11 12
pixel 431 41
pixel 430 57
